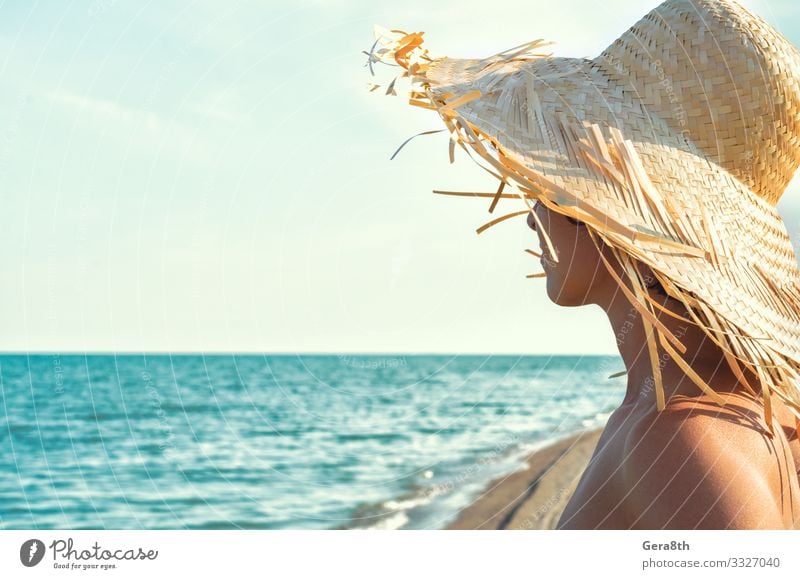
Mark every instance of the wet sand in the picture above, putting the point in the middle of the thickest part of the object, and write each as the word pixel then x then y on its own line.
pixel 535 497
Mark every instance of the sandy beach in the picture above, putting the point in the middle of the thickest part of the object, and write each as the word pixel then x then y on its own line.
pixel 533 498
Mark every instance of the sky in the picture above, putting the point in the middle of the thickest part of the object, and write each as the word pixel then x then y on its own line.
pixel 215 176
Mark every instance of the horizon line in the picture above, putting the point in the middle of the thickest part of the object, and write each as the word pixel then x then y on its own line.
pixel 275 353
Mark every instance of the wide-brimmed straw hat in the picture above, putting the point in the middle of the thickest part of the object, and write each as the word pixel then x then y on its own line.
pixel 672 146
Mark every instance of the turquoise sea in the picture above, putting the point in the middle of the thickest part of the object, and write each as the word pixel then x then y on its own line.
pixel 277 441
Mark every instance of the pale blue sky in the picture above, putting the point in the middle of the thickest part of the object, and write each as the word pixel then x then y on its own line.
pixel 214 176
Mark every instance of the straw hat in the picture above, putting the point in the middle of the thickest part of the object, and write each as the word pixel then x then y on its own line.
pixel 673 146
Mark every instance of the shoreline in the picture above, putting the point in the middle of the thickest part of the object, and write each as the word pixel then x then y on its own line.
pixel 533 498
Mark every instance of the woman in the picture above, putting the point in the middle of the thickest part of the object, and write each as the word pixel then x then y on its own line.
pixel 651 175
pixel 692 465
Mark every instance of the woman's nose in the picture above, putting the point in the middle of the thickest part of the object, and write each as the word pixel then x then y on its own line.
pixel 531 221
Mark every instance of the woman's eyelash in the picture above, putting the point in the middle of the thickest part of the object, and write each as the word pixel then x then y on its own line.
pixel 570 219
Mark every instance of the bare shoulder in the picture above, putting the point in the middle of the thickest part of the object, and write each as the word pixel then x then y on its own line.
pixel 697 465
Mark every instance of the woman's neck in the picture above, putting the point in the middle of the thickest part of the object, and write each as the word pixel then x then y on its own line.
pixel 702 354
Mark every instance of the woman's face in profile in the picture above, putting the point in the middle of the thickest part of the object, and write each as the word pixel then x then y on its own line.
pixel 578 277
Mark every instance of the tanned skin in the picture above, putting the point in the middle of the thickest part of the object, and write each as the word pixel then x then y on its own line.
pixel 695 465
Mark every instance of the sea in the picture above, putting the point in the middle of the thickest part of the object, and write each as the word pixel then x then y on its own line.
pixel 290 441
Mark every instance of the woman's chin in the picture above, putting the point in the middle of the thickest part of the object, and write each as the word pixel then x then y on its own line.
pixel 560 296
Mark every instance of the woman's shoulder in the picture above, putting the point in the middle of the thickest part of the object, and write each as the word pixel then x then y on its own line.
pixel 741 418
pixel 699 426
pixel 697 464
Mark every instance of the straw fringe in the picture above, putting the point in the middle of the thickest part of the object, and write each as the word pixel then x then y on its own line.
pixel 497 196
pixel 475 194
pixel 650 333
pixel 493 222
